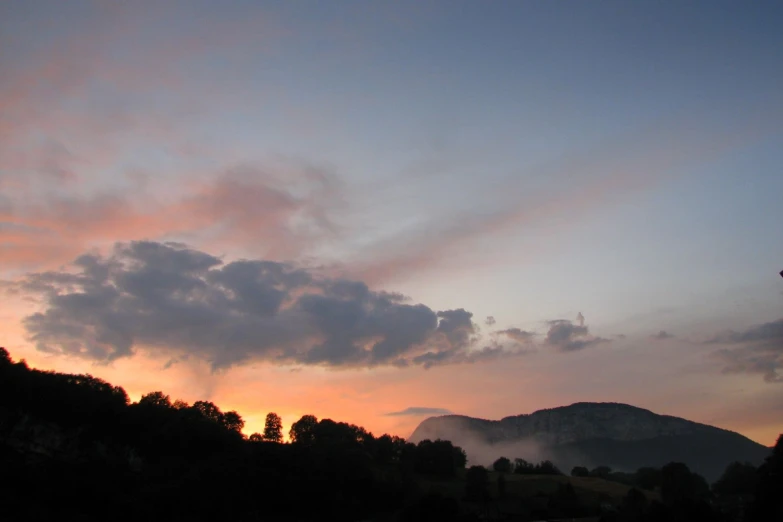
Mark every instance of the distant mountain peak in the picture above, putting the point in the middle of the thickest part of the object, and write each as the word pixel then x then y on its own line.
pixel 596 433
pixel 609 406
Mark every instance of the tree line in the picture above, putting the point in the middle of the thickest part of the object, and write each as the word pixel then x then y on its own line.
pixel 79 443
pixel 743 491
pixel 82 446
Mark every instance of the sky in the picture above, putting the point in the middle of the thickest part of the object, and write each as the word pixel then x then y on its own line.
pixel 379 211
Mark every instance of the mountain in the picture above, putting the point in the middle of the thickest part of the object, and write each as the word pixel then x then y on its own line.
pixel 620 436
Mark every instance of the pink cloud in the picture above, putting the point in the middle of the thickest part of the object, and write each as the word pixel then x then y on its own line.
pixel 74 107
pixel 280 216
pixel 53 133
pixel 251 206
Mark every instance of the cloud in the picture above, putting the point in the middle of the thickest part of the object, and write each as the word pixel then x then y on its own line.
pixel 756 350
pixel 662 336
pixel 580 319
pixel 771 332
pixel 288 207
pixel 76 124
pixel 565 336
pixel 168 298
pixel 281 211
pixel 487 353
pixel 418 411
pixel 50 122
pixel 518 335
pixel 490 320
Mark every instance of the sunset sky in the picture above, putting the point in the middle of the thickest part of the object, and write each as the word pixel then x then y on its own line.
pixel 378 211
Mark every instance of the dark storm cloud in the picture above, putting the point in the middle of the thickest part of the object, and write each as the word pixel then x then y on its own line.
pixel 456 326
pixel 765 333
pixel 566 336
pixel 454 356
pixel 518 335
pixel 756 350
pixel 661 336
pixel 414 411
pixel 168 298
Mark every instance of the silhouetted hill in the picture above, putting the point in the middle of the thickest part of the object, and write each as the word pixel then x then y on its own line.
pixel 620 436
pixel 74 447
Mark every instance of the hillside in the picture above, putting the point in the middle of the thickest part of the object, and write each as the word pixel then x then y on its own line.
pixel 620 436
pixel 75 447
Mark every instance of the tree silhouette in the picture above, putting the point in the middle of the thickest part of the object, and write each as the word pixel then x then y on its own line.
pixel 156 399
pixel 208 411
pixel 273 428
pixel 388 449
pixel 679 484
pixel 601 472
pixel 769 500
pixel 439 457
pixel 735 489
pixel 303 430
pixel 255 437
pixel 476 484
pixel 348 436
pixel 5 357
pixel 233 421
pixel 580 471
pixel 738 479
pixel 547 467
pixel 523 467
pixel 502 465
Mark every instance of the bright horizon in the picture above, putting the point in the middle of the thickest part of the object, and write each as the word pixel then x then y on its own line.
pixel 355 209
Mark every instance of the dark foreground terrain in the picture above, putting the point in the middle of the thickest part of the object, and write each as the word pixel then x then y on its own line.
pixel 73 447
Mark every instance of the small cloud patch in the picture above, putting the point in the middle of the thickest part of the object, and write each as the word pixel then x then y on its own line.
pixel 418 411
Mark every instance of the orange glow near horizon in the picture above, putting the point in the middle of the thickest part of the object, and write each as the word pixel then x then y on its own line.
pixel 362 397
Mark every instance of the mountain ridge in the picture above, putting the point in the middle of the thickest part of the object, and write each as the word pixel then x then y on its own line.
pixel 596 433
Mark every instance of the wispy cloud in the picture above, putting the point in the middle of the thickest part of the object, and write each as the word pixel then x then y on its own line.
pixel 72 102
pixel 755 350
pixel 77 123
pixel 281 214
pixel 518 335
pixel 418 411
pixel 661 336
pixel 631 164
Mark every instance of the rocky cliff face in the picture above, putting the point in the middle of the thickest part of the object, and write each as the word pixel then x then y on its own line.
pixel 615 434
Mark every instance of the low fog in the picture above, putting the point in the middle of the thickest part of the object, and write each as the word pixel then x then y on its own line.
pixel 483 443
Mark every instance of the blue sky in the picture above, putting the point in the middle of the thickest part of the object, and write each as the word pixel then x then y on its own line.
pixel 529 161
